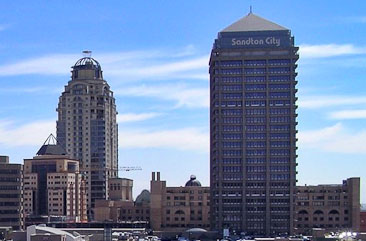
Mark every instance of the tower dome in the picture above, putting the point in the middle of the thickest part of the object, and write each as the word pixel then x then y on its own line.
pixel 87 63
pixel 193 182
pixel 86 68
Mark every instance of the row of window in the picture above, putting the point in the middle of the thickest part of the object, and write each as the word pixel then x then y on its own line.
pixel 253 79
pixel 249 87
pixel 270 70
pixel 256 62
pixel 254 120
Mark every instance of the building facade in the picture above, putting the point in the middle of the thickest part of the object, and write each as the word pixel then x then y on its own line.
pixel 363 218
pixel 332 207
pixel 53 186
pixel 87 127
pixel 253 127
pixel 120 207
pixel 11 194
pixel 120 189
pixel 164 208
pixel 178 208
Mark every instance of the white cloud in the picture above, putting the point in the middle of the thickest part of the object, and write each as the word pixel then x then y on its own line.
pixel 348 114
pixel 335 139
pixel 132 117
pixel 29 134
pixel 192 139
pixel 317 102
pixel 181 94
pixel 148 64
pixel 329 50
pixel 355 19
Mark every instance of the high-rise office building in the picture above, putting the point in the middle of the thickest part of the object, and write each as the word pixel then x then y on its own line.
pixel 11 194
pixel 87 127
pixel 53 185
pixel 253 127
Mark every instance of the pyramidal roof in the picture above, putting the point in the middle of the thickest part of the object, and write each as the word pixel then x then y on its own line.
pixel 51 147
pixel 252 22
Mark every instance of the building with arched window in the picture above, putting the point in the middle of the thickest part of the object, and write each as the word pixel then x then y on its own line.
pixel 332 207
pixel 178 208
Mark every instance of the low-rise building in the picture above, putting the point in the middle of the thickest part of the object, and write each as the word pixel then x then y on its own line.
pixel 11 194
pixel 363 218
pixel 53 185
pixel 120 207
pixel 178 208
pixel 332 207
pixel 165 208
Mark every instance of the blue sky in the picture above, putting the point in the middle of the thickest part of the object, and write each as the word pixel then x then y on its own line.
pixel 154 54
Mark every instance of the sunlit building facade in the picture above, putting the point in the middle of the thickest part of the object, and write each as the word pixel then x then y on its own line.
pixel 87 127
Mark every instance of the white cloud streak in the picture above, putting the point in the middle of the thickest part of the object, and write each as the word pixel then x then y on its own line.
pixel 183 96
pixel 348 114
pixel 192 139
pixel 149 64
pixel 335 139
pixel 133 117
pixel 329 50
pixel 317 102
pixel 30 134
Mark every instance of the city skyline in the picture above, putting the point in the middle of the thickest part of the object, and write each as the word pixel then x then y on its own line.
pixel 160 79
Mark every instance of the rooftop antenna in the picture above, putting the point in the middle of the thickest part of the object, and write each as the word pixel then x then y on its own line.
pixel 250 9
pixel 87 53
pixel 51 140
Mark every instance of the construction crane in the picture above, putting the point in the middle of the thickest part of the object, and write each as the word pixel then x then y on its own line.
pixel 129 168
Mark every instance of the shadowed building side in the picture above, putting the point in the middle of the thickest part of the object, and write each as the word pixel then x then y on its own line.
pixel 253 128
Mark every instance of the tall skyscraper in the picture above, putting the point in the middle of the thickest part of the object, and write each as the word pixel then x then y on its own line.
pixel 87 127
pixel 11 194
pixel 253 127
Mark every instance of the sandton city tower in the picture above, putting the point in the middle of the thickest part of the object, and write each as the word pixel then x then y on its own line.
pixel 253 128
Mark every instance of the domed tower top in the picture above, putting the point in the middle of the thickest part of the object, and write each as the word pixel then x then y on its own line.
pixel 193 182
pixel 86 68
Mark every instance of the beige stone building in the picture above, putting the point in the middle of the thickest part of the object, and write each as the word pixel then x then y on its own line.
pixel 165 208
pixel 120 189
pixel 120 207
pixel 53 185
pixel 11 194
pixel 178 208
pixel 87 127
pixel 332 207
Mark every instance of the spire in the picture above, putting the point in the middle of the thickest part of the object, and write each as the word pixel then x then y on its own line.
pixel 252 22
pixel 50 147
pixel 50 139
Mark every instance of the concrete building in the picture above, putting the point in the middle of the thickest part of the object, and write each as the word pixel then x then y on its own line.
pixel 11 194
pixel 363 219
pixel 253 127
pixel 178 208
pixel 332 207
pixel 53 185
pixel 120 207
pixel 87 127
pixel 164 209
pixel 120 189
